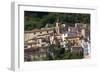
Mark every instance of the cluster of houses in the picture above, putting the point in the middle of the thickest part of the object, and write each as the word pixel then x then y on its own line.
pixel 36 41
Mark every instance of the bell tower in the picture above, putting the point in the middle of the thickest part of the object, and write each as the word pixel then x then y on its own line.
pixel 57 26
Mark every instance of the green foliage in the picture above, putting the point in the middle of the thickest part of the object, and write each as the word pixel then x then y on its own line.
pixel 38 20
pixel 77 55
pixel 61 53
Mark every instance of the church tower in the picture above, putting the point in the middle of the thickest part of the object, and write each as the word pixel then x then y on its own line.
pixel 83 32
pixel 57 28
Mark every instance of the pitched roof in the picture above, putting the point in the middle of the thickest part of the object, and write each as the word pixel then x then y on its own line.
pixel 39 30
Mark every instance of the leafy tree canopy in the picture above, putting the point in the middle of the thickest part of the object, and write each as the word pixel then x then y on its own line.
pixel 37 20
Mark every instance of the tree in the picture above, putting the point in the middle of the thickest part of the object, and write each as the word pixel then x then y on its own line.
pixel 40 19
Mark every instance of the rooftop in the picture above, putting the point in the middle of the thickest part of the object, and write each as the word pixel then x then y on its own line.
pixel 39 30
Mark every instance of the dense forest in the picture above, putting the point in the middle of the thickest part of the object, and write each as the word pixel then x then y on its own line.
pixel 39 20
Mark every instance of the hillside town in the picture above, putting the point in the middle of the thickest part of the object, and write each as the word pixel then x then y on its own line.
pixel 74 38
